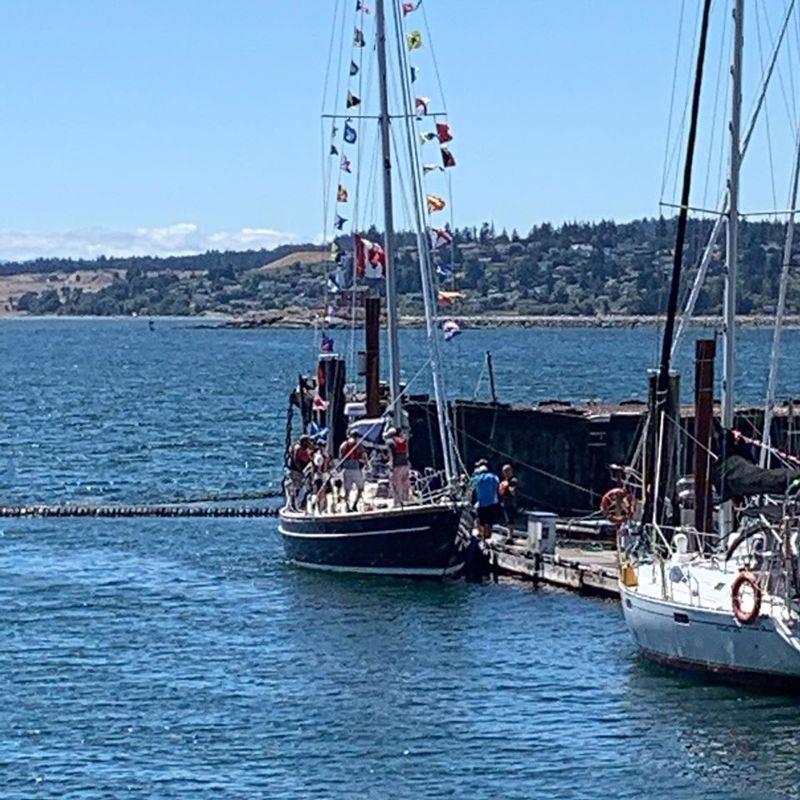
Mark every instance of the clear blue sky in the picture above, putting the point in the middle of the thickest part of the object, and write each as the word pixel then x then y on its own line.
pixel 122 119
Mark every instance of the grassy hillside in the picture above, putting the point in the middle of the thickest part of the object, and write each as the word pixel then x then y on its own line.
pixel 575 269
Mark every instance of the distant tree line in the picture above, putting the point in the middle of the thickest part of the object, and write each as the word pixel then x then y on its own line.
pixel 575 268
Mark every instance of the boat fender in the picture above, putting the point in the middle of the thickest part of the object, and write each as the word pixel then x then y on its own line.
pixel 745 617
pixel 477 563
pixel 618 506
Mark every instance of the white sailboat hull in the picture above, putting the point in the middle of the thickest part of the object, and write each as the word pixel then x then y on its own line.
pixel 712 641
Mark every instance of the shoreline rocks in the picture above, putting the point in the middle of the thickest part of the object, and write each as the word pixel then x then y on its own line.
pixel 305 319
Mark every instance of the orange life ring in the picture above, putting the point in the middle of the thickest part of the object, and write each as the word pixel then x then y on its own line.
pixel 745 617
pixel 618 506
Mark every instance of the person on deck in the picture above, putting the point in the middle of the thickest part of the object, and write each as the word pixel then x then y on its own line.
pixel 397 443
pixel 323 488
pixel 508 490
pixel 351 458
pixel 300 457
pixel 485 485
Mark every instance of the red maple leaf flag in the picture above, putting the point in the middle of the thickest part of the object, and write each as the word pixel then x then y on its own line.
pixel 360 254
pixel 370 258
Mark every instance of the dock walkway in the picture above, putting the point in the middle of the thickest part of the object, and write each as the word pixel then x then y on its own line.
pixel 588 571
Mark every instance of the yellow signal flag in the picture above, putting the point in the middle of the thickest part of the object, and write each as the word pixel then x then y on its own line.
pixel 414 40
pixel 435 203
pixel 450 297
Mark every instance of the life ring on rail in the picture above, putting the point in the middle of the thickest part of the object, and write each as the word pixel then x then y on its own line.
pixel 745 577
pixel 618 506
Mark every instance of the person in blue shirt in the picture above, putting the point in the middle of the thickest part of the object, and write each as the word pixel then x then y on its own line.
pixel 485 486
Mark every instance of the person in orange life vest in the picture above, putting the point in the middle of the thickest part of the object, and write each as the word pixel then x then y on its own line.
pixel 397 443
pixel 299 458
pixel 509 487
pixel 302 453
pixel 351 458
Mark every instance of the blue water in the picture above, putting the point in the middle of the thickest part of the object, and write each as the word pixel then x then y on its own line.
pixel 185 659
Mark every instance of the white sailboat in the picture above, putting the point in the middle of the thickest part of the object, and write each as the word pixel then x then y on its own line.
pixel 721 595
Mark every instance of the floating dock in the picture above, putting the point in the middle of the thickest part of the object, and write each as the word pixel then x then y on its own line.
pixel 579 555
pixel 590 572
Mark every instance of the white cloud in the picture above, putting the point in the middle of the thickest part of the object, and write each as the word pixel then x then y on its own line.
pixel 184 238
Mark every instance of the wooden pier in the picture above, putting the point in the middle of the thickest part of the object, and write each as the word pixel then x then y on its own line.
pixel 587 571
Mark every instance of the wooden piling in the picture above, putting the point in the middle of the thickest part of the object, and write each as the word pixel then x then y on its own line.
pixel 705 352
pixel 490 369
pixel 372 354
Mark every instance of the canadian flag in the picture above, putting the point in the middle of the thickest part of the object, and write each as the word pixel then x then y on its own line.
pixel 370 258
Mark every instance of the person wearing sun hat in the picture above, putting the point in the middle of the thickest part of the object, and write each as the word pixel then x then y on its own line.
pixel 485 485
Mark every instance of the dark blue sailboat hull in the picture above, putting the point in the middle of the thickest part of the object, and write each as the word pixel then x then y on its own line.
pixel 422 541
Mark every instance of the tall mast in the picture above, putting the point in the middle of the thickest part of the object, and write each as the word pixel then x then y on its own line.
pixel 388 220
pixel 659 461
pixel 729 311
pixel 680 239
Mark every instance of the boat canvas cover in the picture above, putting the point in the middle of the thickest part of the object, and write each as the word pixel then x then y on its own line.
pixel 738 477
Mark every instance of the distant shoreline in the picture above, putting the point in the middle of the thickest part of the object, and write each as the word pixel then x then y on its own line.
pixel 292 320
pixel 298 320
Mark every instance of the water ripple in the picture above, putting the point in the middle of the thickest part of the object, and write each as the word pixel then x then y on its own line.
pixel 183 658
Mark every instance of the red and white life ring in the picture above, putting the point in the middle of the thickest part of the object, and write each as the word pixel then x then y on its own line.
pixel 745 578
pixel 618 506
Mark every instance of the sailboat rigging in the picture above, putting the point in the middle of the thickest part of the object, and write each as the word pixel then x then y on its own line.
pixel 720 596
pixel 359 516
